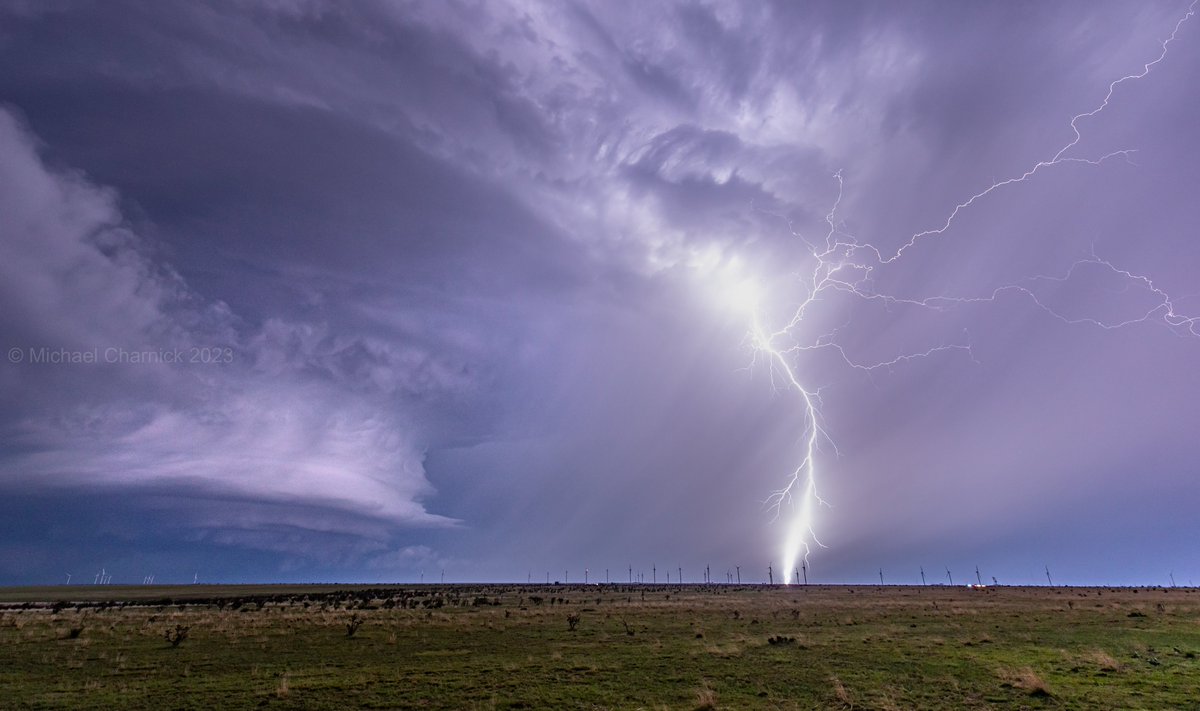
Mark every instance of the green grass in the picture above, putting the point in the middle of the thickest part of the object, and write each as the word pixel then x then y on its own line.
pixel 854 647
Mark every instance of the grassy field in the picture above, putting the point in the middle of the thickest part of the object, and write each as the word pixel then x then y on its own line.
pixel 594 647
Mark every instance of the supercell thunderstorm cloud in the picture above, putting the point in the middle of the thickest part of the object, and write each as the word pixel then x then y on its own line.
pixel 306 290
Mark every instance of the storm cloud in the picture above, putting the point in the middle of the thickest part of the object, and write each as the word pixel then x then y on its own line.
pixel 381 288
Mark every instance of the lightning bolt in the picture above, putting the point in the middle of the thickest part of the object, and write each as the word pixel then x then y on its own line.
pixel 842 264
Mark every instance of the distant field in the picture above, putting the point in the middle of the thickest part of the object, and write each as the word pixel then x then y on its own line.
pixel 513 646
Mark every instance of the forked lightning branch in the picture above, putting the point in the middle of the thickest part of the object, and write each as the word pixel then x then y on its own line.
pixel 840 263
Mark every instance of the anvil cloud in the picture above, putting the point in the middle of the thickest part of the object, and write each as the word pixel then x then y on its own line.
pixel 447 277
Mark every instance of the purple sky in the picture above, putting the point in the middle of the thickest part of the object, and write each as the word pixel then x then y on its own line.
pixel 462 274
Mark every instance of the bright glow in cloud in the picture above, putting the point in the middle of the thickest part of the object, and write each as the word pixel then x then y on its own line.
pixel 843 264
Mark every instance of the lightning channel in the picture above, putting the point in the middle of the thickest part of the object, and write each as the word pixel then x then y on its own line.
pixel 841 264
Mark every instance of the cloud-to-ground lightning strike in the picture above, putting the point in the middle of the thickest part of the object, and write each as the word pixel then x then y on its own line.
pixel 842 264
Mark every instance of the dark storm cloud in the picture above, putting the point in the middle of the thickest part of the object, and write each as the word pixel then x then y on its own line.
pixel 228 408
pixel 469 262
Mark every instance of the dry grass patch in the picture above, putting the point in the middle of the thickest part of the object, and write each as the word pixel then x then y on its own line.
pixel 1104 660
pixel 839 691
pixel 706 698
pixel 1028 681
pixel 729 649
pixel 284 688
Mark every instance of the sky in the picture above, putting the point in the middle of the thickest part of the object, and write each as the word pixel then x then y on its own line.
pixel 303 290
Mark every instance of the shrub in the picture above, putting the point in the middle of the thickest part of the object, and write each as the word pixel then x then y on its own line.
pixel 177 635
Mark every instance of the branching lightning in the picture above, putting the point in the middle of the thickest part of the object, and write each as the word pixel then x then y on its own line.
pixel 842 264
